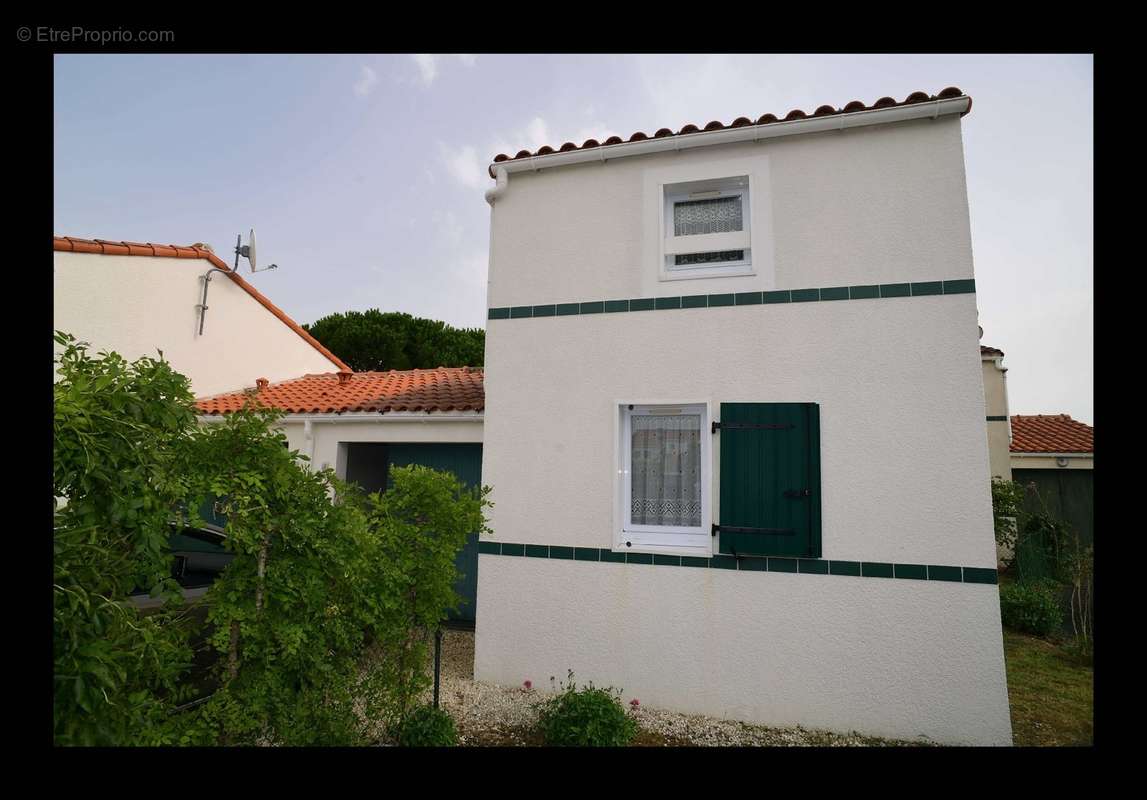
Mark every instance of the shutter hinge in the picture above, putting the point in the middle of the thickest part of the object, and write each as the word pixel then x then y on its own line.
pixel 753 426
pixel 798 492
pixel 757 531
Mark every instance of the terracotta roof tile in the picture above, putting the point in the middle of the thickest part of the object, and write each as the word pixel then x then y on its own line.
pixel 765 119
pixel 106 247
pixel 1051 433
pixel 425 390
pixel 990 351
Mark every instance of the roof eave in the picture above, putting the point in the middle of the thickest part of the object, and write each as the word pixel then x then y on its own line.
pixel 745 133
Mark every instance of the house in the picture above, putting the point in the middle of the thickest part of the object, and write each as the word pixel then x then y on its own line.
pixel 143 299
pixel 1050 453
pixel 137 299
pixel 363 423
pixel 995 376
pixel 735 424
pixel 1055 455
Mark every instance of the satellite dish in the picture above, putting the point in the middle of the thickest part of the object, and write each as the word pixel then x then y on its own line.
pixel 248 252
pixel 251 249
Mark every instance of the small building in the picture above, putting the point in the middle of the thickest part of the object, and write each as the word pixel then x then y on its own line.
pixel 735 432
pixel 360 424
pixel 995 376
pixel 1055 455
pixel 139 299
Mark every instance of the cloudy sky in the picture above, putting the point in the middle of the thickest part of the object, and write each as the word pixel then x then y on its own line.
pixel 364 175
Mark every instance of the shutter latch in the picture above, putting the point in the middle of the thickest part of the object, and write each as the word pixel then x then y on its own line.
pixel 798 492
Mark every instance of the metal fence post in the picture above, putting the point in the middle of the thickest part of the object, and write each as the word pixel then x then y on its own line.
pixel 437 661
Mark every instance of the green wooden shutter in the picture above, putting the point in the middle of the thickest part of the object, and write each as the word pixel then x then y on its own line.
pixel 770 479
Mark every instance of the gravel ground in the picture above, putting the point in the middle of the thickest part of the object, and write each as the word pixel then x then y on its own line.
pixel 485 714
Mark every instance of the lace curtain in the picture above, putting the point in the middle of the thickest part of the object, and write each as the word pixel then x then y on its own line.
pixel 665 470
pixel 716 215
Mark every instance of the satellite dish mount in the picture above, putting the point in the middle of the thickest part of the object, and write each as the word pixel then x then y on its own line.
pixel 245 250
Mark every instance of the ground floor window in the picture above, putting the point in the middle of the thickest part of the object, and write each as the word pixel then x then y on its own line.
pixel 664 478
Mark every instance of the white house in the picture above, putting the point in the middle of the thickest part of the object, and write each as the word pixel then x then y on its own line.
pixel 137 299
pixel 995 376
pixel 735 424
pixel 363 423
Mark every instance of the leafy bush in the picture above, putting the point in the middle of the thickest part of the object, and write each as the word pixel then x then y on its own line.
pixel 427 726
pixel 321 576
pixel 1032 607
pixel 1007 509
pixel 589 717
pixel 117 671
pixel 420 523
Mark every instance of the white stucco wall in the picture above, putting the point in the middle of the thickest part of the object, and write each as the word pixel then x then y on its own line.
pixel 903 450
pixel 996 405
pixel 1040 461
pixel 136 305
pixel 328 431
pixel 885 204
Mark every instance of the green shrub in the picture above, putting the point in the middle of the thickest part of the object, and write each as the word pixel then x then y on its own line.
pixel 1031 607
pixel 588 717
pixel 427 726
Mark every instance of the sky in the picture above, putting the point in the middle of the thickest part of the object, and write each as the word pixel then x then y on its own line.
pixel 363 175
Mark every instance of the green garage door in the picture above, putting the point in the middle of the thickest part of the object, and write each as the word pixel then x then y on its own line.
pixel 368 464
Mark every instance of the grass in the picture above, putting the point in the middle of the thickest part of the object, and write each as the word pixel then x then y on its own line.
pixel 1050 693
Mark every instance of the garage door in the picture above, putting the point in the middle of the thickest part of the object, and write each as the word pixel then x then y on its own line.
pixel 368 465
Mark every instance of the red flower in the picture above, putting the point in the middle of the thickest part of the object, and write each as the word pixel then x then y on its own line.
pixel 528 684
pixel 634 702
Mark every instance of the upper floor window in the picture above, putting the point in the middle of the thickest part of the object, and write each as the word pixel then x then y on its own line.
pixel 707 228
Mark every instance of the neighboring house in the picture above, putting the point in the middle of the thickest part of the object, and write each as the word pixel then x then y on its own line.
pixel 1057 454
pixel 995 376
pixel 363 423
pixel 1053 452
pixel 138 299
pixel 735 431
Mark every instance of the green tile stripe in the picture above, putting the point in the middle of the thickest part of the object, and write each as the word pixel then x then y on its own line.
pixel 802 566
pixel 819 295
pixel 997 419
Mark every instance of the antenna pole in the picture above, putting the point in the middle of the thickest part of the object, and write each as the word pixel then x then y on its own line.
pixel 238 242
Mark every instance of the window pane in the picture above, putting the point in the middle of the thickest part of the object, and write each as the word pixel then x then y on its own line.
pixel 715 215
pixel 708 258
pixel 666 470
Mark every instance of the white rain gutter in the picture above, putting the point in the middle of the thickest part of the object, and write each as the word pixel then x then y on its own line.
pixel 746 133
pixel 1052 455
pixel 502 180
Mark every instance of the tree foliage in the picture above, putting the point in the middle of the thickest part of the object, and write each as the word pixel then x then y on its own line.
pixel 117 474
pixel 374 340
pixel 322 576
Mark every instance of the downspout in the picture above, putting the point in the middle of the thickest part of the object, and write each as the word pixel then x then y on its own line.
pixel 502 180
pixel 309 438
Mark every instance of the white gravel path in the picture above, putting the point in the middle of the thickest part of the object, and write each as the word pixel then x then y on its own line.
pixel 486 714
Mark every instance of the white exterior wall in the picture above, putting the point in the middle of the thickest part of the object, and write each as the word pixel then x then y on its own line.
pixel 996 405
pixel 136 305
pixel 328 431
pixel 1041 461
pixel 903 451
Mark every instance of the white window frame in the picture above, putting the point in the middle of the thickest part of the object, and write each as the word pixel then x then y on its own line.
pixel 663 539
pixel 671 245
